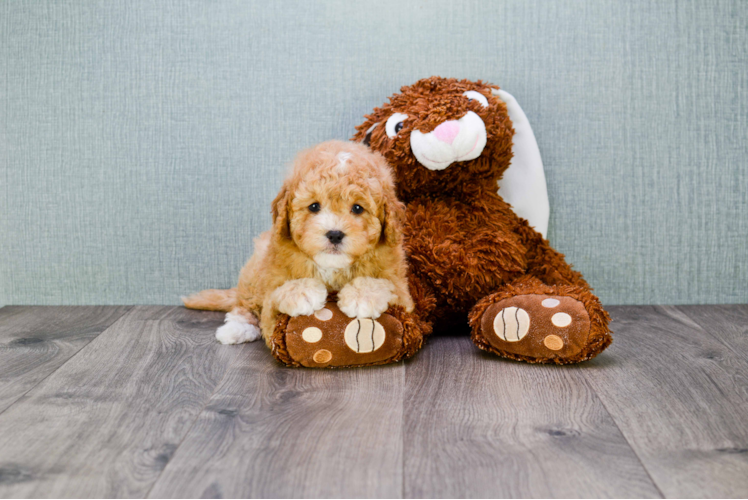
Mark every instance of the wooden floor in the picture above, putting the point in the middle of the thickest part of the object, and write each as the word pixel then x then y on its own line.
pixel 142 402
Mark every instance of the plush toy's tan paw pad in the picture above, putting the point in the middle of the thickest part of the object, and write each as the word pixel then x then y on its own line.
pixel 329 338
pixel 511 324
pixel 537 326
pixel 364 335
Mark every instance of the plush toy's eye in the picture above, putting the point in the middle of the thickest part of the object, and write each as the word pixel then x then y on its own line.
pixel 394 124
pixel 477 96
pixel 367 136
pixel 357 209
pixel 315 207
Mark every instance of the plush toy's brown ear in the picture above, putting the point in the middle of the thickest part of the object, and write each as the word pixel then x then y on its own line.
pixel 281 213
pixel 393 215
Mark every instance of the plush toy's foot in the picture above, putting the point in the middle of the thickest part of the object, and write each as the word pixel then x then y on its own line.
pixel 560 324
pixel 330 339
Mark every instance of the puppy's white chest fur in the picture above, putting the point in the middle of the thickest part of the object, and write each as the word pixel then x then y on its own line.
pixel 333 278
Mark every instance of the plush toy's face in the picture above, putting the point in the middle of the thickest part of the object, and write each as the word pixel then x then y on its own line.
pixel 440 133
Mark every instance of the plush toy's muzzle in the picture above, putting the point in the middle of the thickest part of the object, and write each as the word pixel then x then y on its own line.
pixel 451 141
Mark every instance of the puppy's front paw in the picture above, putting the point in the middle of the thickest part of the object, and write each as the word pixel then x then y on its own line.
pixel 366 297
pixel 300 297
pixel 236 330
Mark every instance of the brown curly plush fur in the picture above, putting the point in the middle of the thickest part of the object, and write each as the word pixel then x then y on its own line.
pixel 466 247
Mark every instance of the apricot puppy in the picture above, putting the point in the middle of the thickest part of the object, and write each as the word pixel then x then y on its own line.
pixel 336 228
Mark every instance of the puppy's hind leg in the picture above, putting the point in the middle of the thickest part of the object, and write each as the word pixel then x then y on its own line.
pixel 239 326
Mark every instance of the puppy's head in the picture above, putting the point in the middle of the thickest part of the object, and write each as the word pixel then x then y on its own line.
pixel 338 204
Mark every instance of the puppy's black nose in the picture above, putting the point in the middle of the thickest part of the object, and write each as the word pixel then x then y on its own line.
pixel 335 237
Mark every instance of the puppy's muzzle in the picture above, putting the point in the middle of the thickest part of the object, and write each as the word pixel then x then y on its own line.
pixel 335 237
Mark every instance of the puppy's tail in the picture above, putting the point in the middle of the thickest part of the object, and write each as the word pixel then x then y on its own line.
pixel 212 300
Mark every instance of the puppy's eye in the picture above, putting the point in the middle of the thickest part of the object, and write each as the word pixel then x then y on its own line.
pixel 357 209
pixel 472 95
pixel 395 124
pixel 314 207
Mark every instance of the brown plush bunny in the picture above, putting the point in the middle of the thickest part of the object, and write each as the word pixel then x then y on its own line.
pixel 471 257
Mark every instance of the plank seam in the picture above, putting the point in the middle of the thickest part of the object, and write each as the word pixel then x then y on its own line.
pixel 719 339
pixel 192 426
pixel 654 483
pixel 124 313
pixel 615 422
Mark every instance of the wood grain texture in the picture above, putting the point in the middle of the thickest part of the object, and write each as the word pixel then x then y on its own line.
pixel 36 341
pixel 680 397
pixel 108 421
pixel 278 432
pixel 727 323
pixel 487 427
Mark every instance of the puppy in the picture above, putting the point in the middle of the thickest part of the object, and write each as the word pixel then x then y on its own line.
pixel 336 228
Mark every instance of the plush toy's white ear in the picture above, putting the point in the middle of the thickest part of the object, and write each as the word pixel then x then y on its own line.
pixel 523 184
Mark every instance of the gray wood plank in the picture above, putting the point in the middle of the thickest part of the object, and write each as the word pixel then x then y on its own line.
pixel 106 423
pixel 36 341
pixel 479 426
pixel 281 432
pixel 728 323
pixel 680 397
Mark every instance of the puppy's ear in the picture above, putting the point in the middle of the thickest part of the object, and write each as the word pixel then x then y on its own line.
pixel 392 221
pixel 281 213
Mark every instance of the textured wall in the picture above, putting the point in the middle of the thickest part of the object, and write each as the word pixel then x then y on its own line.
pixel 142 141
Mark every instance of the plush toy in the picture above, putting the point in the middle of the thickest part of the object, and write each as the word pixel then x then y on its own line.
pixel 471 257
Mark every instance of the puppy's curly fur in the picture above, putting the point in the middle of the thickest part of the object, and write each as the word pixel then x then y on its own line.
pixel 336 228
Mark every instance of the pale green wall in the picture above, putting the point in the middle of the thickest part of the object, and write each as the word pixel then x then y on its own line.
pixel 142 141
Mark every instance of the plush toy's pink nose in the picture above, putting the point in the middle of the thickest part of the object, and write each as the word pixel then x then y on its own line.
pixel 447 131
